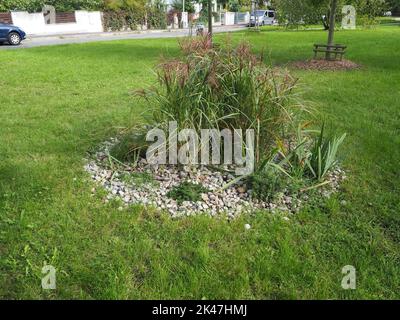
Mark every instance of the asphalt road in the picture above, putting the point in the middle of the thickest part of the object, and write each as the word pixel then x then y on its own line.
pixel 37 41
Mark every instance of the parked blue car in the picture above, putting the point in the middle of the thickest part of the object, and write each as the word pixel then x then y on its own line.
pixel 12 34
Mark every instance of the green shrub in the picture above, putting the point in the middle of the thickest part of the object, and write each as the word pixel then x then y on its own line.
pixel 187 191
pixel 139 178
pixel 120 20
pixel 234 5
pixel 156 15
pixel 367 22
pixel 114 21
pixel 129 14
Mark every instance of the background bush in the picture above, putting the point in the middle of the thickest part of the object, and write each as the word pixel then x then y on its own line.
pixel 156 15
pixel 129 14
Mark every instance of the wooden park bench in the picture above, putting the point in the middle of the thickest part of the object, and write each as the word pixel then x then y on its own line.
pixel 336 49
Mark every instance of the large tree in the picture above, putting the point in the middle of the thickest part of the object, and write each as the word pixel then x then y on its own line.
pixel 295 12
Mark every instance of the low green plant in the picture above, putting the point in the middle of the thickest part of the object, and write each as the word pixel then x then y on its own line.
pixel 292 166
pixel 187 191
pixel 131 147
pixel 139 178
pixel 294 156
pixel 266 183
pixel 274 175
pixel 323 154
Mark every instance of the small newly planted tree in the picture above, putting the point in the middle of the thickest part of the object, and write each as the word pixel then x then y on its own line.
pixel 302 12
pixel 296 12
pixel 210 19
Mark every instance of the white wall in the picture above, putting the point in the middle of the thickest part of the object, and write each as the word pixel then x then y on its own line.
pixel 31 23
pixel 89 20
pixel 34 24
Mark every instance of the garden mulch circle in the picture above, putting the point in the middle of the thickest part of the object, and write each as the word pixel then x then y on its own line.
pixel 323 65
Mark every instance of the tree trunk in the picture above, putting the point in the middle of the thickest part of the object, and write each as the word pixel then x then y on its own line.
pixel 332 19
pixel 210 19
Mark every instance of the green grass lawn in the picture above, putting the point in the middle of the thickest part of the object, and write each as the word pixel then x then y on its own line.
pixel 58 102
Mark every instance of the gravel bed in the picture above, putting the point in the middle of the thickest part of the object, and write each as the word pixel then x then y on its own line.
pixel 233 200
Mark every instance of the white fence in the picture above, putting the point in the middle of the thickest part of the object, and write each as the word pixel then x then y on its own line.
pixel 232 18
pixel 34 23
pixel 242 17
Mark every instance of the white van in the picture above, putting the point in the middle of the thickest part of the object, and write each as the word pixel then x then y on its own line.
pixel 262 18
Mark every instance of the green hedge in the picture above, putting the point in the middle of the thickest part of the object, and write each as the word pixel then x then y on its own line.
pixel 60 5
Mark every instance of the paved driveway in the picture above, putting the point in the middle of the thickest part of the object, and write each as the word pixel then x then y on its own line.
pixel 36 41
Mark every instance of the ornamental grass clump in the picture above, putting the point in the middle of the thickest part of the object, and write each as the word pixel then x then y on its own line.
pixel 224 87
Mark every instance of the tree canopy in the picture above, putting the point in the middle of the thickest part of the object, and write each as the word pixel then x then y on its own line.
pixel 295 12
